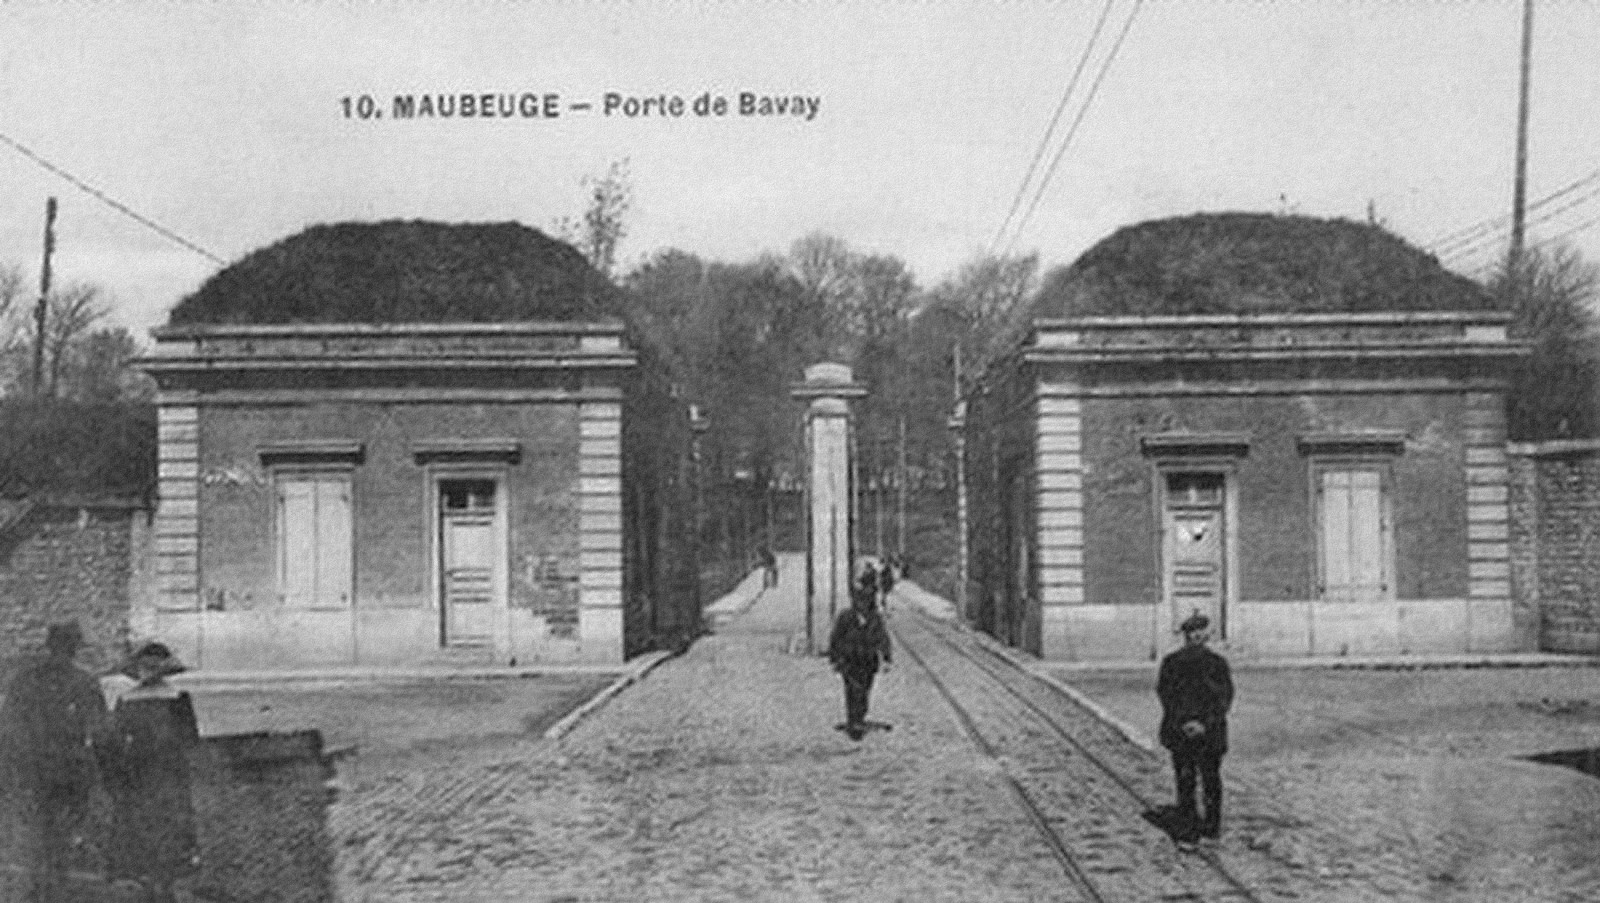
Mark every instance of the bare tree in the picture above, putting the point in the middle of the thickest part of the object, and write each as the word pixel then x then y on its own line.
pixel 987 296
pixel 14 330
pixel 823 264
pixel 70 315
pixel 1553 296
pixel 97 369
pixel 603 225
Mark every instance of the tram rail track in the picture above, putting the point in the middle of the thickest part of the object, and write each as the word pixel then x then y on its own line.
pixel 1075 800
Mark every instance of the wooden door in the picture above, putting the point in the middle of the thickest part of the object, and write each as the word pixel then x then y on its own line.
pixel 1195 547
pixel 469 553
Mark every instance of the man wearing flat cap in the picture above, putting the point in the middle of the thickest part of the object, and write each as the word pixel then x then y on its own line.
pixel 1196 688
pixel 53 710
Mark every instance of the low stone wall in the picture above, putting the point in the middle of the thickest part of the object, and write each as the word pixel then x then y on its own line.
pixel 261 813
pixel 1555 542
pixel 63 561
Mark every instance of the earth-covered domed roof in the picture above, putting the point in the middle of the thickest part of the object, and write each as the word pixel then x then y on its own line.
pixel 405 272
pixel 1246 263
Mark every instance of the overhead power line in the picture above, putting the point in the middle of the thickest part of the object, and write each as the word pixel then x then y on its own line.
pixel 1469 234
pixel 1083 110
pixel 1055 119
pixel 1586 224
pixel 109 201
pixel 1491 240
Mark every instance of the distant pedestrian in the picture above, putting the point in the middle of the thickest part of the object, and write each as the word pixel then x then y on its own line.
pixel 145 758
pixel 52 712
pixel 1195 686
pixel 858 644
pixel 886 580
pixel 867 578
pixel 769 567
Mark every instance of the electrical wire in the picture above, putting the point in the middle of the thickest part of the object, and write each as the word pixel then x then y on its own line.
pixel 1470 234
pixel 109 201
pixel 1586 224
pixel 1083 110
pixel 1055 119
pixel 1490 241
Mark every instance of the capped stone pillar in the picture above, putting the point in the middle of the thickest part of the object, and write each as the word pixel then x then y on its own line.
pixel 830 510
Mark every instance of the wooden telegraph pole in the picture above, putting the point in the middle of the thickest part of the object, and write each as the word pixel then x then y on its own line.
pixel 1520 186
pixel 41 312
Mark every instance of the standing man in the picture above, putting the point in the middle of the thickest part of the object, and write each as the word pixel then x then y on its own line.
pixel 859 641
pixel 886 580
pixel 769 567
pixel 1196 689
pixel 53 710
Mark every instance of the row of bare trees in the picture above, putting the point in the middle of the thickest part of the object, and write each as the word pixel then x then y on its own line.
pixel 82 358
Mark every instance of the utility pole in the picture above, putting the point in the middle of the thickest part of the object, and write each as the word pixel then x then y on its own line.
pixel 877 495
pixel 1520 186
pixel 900 538
pixel 41 313
pixel 958 429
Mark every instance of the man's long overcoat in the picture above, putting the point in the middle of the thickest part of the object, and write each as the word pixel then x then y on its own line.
pixel 1195 684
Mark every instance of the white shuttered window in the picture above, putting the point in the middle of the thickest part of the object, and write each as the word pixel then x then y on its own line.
pixel 1355 534
pixel 315 542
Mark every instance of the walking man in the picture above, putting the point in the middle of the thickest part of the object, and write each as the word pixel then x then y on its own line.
pixel 1196 689
pixel 52 712
pixel 858 643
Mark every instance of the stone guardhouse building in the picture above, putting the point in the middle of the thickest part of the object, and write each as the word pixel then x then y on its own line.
pixel 1329 481
pixel 412 444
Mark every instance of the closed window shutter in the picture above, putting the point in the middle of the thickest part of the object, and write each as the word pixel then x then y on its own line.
pixel 333 543
pixel 315 543
pixel 297 542
pixel 1352 534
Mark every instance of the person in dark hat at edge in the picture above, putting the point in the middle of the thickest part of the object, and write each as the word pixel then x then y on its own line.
pixel 144 756
pixel 52 713
pixel 1195 686
pixel 858 644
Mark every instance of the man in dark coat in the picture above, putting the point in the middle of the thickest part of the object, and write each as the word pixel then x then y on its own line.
pixel 52 712
pixel 1196 690
pixel 858 643
pixel 769 567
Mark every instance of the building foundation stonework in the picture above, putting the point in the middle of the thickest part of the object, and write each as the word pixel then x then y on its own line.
pixel 1318 484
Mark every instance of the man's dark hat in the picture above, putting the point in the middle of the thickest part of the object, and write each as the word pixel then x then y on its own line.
pixel 160 656
pixel 67 636
pixel 1196 621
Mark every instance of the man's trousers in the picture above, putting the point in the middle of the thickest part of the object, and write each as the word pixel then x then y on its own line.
pixel 1206 765
pixel 857 688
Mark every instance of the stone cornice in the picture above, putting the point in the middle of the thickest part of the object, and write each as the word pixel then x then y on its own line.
pixel 345 330
pixel 1155 354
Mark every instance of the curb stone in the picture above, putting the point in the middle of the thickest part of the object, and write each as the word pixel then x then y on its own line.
pixel 566 724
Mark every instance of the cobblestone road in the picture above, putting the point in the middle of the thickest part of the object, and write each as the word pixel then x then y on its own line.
pixel 721 777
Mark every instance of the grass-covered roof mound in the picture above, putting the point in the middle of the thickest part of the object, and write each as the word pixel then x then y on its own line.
pixel 1244 263
pixel 405 272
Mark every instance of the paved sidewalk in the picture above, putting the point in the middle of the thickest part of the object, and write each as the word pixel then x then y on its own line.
pixel 720 777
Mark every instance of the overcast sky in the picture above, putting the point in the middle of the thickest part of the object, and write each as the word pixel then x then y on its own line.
pixel 224 123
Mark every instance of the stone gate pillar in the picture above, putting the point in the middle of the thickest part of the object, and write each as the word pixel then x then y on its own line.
pixel 830 510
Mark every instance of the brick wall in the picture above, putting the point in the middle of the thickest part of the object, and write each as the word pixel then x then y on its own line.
pixel 1555 543
pixel 1277 553
pixel 63 562
pixel 391 500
